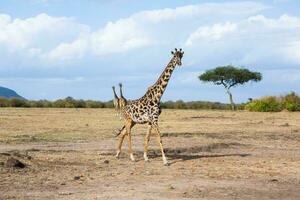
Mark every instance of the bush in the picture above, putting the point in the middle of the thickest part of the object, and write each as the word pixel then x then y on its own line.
pixel 292 107
pixel 16 102
pixel 94 104
pixel 4 102
pixel 60 103
pixel 265 104
pixel 197 105
pixel 109 104
pixel 291 102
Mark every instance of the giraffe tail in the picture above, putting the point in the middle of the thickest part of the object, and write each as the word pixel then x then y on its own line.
pixel 118 132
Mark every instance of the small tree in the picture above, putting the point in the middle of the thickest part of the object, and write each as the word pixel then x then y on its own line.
pixel 230 76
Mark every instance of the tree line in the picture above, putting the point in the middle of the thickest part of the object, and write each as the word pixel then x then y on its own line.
pixel 70 102
pixel 289 102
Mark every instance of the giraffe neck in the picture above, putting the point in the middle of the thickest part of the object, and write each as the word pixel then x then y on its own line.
pixel 156 91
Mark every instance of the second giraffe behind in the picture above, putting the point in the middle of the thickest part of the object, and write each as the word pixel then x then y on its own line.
pixel 146 109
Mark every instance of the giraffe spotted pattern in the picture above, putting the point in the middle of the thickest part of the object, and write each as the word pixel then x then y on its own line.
pixel 146 109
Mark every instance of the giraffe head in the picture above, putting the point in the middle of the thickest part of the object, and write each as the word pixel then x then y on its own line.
pixel 177 56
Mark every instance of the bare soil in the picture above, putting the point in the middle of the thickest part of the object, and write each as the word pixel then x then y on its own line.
pixel 69 154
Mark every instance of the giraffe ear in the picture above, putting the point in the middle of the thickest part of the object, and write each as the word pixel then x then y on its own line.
pixel 172 52
pixel 182 52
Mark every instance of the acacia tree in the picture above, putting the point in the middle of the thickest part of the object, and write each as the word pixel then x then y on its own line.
pixel 230 76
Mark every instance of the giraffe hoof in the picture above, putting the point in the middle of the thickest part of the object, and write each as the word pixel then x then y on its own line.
pixel 132 158
pixel 117 155
pixel 166 163
pixel 146 157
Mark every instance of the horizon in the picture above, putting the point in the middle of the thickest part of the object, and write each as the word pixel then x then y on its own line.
pixel 52 49
pixel 110 100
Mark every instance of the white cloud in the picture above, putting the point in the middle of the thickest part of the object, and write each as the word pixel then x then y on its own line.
pixel 122 35
pixel 205 9
pixel 60 39
pixel 255 40
pixel 140 30
pixel 115 37
pixel 39 32
pixel 241 38
pixel 215 32
pixel 4 20
pixel 68 51
pixel 283 22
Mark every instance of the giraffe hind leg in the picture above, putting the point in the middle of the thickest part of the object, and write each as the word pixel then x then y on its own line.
pixel 147 139
pixel 165 161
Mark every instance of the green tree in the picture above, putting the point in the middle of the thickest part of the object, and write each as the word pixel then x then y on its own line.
pixel 17 102
pixel 230 76
pixel 4 102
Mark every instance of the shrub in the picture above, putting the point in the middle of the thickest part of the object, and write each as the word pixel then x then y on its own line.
pixel 59 103
pixel 197 105
pixel 69 102
pixel 16 102
pixel 4 102
pixel 292 107
pixel 94 104
pixel 109 104
pixel 291 102
pixel 265 104
pixel 80 104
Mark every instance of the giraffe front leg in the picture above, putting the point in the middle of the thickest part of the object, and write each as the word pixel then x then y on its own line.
pixel 128 130
pixel 130 148
pixel 165 161
pixel 147 139
pixel 122 136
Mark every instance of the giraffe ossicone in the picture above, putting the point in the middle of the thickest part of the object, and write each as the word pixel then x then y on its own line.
pixel 145 109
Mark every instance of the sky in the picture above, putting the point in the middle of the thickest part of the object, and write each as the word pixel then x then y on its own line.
pixel 51 49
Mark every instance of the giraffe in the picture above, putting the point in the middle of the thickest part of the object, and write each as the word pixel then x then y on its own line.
pixel 119 103
pixel 147 110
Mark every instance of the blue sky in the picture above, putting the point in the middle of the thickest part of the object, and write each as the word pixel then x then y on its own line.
pixel 51 49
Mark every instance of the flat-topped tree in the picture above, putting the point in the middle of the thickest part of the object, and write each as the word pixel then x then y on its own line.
pixel 230 76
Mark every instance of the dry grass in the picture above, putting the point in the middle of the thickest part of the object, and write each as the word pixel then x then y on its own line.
pixel 213 154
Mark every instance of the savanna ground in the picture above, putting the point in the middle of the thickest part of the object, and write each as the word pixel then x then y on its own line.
pixel 69 154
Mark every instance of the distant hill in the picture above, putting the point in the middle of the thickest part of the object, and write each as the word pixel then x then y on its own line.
pixel 8 93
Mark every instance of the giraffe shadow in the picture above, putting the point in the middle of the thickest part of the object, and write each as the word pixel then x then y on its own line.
pixel 183 157
pixel 196 152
